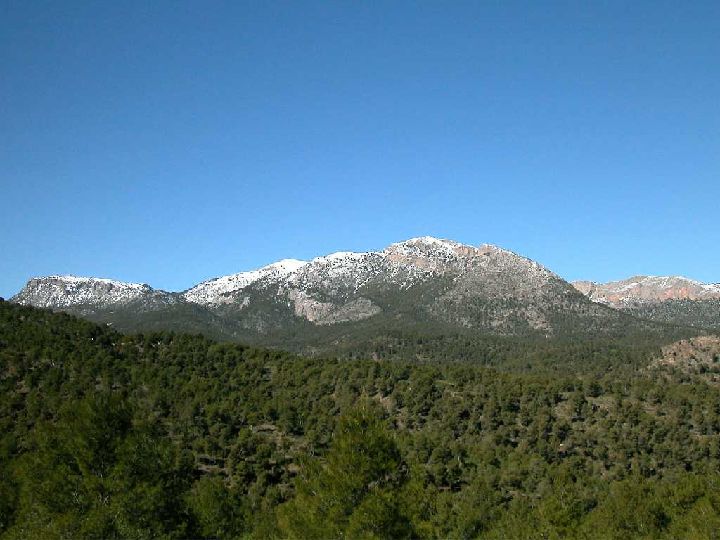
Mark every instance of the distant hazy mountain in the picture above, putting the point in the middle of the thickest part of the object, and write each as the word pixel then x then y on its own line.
pixel 671 299
pixel 419 283
pixel 648 289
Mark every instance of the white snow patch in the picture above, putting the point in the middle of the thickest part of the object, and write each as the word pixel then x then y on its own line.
pixel 217 290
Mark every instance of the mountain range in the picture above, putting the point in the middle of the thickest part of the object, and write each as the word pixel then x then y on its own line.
pixel 670 299
pixel 423 285
pixel 648 290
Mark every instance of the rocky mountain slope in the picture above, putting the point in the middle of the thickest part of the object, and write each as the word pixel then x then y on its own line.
pixel 669 299
pixel 419 283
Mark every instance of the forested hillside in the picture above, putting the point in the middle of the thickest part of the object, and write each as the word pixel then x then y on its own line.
pixel 162 435
pixel 700 313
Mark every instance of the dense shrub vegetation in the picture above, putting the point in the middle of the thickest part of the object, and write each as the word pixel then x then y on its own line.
pixel 165 435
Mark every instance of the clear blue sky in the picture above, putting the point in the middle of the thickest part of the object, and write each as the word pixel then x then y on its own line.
pixel 170 142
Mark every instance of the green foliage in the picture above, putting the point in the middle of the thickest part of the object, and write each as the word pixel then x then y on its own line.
pixel 94 473
pixel 173 435
pixel 354 493
pixel 698 313
pixel 8 495
pixel 218 512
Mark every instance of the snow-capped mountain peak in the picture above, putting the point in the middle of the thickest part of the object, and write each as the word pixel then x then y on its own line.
pixel 341 256
pixel 427 245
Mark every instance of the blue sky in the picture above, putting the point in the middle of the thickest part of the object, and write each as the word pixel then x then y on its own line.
pixel 171 142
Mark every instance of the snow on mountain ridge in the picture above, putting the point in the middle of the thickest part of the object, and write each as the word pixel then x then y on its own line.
pixel 71 279
pixel 341 274
pixel 217 289
pixel 355 268
pixel 420 279
pixel 67 290
pixel 441 245
pixel 341 256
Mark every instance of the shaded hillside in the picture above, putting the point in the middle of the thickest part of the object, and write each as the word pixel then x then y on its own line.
pixel 697 313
